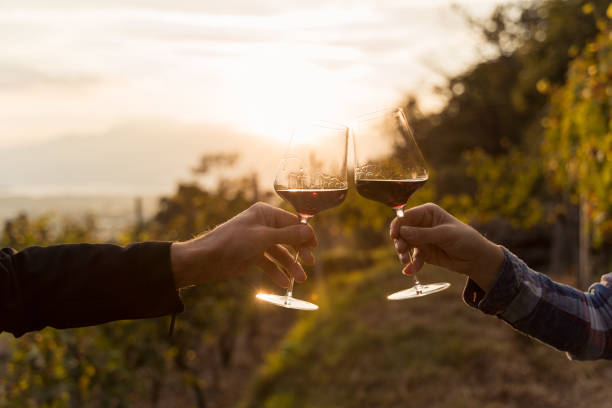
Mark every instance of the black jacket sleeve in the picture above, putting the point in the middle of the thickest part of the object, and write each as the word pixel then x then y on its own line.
pixel 84 284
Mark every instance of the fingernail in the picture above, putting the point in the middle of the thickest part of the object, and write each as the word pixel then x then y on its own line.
pixel 396 243
pixel 406 270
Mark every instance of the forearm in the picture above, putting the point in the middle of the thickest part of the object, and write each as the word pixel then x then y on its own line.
pixel 82 284
pixel 561 316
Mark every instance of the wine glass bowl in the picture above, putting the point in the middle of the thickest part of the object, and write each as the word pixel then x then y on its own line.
pixel 385 147
pixel 389 168
pixel 312 177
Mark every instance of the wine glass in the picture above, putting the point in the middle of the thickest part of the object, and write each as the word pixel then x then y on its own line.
pixel 389 168
pixel 311 177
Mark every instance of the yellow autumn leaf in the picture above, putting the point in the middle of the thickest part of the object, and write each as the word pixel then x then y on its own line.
pixel 543 85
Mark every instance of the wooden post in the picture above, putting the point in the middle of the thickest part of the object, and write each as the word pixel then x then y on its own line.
pixel 556 245
pixel 584 245
pixel 138 219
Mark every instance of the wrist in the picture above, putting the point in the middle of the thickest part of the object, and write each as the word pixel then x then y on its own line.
pixel 179 259
pixel 192 261
pixel 490 267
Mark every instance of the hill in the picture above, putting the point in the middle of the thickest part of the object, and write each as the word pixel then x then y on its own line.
pixel 137 157
pixel 360 350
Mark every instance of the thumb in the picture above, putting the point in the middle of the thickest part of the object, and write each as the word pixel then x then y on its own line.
pixel 296 235
pixel 422 236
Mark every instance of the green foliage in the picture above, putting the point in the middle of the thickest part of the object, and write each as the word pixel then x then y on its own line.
pixel 577 144
pixel 569 156
pixel 496 106
pixel 525 133
pixel 508 186
pixel 83 367
pixel 21 232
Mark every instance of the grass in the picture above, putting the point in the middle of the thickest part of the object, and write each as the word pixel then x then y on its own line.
pixel 360 350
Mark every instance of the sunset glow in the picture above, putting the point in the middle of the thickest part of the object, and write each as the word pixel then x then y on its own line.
pixel 83 69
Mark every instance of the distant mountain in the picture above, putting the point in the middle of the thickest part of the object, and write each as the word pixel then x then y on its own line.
pixel 139 157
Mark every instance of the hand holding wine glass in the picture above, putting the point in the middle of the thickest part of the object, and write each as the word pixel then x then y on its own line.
pixel 389 168
pixel 443 240
pixel 311 177
pixel 254 237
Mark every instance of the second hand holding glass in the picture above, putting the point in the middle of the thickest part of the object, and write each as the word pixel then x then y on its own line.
pixel 311 177
pixel 389 168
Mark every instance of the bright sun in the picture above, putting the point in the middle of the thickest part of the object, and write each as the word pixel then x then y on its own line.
pixel 277 93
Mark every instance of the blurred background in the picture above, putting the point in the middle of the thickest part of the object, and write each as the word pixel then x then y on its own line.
pixel 135 120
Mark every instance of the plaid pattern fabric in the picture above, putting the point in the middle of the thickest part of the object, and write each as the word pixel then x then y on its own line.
pixel 576 322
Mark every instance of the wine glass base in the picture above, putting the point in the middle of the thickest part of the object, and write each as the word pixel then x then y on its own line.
pixel 411 293
pixel 287 301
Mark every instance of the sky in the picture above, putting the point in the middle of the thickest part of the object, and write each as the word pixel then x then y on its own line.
pixel 74 67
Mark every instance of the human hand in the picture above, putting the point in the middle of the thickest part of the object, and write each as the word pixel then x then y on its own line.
pixel 440 239
pixel 253 237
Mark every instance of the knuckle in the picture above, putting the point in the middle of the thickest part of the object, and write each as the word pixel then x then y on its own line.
pixel 259 206
pixel 431 206
pixel 259 210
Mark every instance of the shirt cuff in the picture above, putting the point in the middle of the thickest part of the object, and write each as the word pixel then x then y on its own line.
pixel 161 296
pixel 503 291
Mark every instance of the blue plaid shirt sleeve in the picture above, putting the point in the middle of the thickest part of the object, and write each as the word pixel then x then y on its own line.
pixel 579 323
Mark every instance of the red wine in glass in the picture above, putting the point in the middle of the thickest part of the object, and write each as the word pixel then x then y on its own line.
pixel 393 193
pixel 307 203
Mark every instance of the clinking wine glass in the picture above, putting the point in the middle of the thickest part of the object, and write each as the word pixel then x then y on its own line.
pixel 311 177
pixel 389 168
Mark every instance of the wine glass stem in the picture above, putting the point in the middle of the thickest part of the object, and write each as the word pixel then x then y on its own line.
pixel 417 285
pixel 291 280
pixel 289 294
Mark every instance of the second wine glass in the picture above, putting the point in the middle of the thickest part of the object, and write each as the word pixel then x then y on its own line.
pixel 389 168
pixel 311 177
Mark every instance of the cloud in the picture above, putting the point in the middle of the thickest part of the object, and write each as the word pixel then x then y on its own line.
pixel 19 78
pixel 81 66
pixel 233 7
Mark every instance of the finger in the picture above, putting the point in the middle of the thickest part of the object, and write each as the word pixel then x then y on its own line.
pixel 394 228
pixel 416 236
pixel 410 269
pixel 307 256
pixel 418 258
pixel 400 245
pixel 426 215
pixel 285 258
pixel 299 235
pixel 276 217
pixel 273 271
pixel 406 256
pixel 416 264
